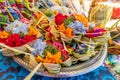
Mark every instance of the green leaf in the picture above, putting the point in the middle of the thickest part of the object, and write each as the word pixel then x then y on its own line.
pixel 49 13
pixel 50 49
pixel 3 19
pixel 69 20
pixel 21 34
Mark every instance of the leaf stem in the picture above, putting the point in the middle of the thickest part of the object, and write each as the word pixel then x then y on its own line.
pixel 115 36
pixel 33 72
pixel 13 49
pixel 113 26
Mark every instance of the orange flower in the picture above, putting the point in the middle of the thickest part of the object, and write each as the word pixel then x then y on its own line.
pixel 38 15
pixel 33 31
pixel 4 34
pixel 69 32
pixel 56 12
pixel 49 36
pixel 39 59
pixel 82 19
pixel 56 58
pixel 61 27
pixel 111 42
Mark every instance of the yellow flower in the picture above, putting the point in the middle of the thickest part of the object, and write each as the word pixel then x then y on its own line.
pixel 33 31
pixel 82 19
pixel 70 50
pixel 19 1
pixel 4 34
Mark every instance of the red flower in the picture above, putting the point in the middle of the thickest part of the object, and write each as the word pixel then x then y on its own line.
pixel 95 32
pixel 2 40
pixel 64 54
pixel 1 29
pixel 31 0
pixel 2 5
pixel 48 42
pixel 20 6
pixel 13 40
pixel 59 18
pixel 116 13
pixel 28 38
pixel 48 29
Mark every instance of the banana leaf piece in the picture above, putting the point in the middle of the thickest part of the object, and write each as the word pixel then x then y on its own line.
pixel 81 57
pixel 67 62
pixel 52 68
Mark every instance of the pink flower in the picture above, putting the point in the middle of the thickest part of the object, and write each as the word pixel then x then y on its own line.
pixel 95 32
pixel 64 53
pixel 24 20
pixel 58 45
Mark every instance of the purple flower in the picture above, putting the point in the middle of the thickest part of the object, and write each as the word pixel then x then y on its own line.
pixel 39 47
pixel 80 48
pixel 78 27
pixel 17 27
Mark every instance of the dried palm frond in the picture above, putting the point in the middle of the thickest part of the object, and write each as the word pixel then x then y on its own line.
pixel 100 14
